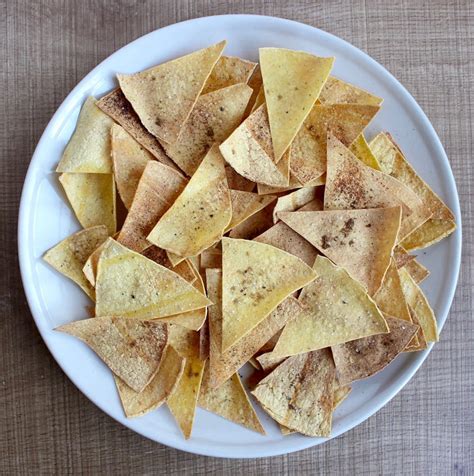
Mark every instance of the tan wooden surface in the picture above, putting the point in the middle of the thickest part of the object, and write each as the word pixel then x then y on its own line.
pixel 46 425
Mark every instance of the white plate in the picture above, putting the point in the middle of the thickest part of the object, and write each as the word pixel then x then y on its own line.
pixel 45 219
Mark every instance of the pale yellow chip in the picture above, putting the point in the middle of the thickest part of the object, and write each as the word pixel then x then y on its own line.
pixel 256 278
pixel 229 70
pixel 131 349
pixel 352 184
pixel 299 393
pixel 92 197
pixel 199 216
pixel 336 91
pixel 213 118
pixel 360 148
pixel 359 240
pixel 157 391
pixel 164 96
pixel 294 200
pixel 70 255
pixel 157 190
pixel 130 285
pixel 88 151
pixel 230 401
pixel 338 310
pixel 129 161
pixel 90 266
pixel 309 149
pixel 246 204
pixel 292 81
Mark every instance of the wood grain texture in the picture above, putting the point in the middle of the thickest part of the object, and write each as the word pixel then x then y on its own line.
pixel 46 425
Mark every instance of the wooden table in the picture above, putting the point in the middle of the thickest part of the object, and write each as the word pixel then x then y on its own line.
pixel 46 425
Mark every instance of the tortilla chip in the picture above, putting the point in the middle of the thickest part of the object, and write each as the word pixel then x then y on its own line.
pixel 401 256
pixel 259 100
pixel 164 96
pixel 204 341
pixel 228 70
pixel 92 197
pixel 283 237
pixel 129 161
pixel 359 240
pixel 417 271
pixel 246 204
pixel 293 201
pixel 130 285
pixel 336 91
pixel 230 401
pixel 365 357
pixel 198 217
pixel 269 361
pixel 351 184
pixel 256 278
pixel 236 181
pixel 360 148
pixel 417 301
pixel 254 225
pixel 211 258
pixel 69 256
pixel 131 349
pixel 392 162
pixel 88 150
pixel 293 184
pixel 90 266
pixel 255 82
pixel 308 150
pixel 157 391
pixel 249 151
pixel 315 205
pixel 338 311
pixel 212 119
pixel 292 82
pixel 420 342
pixel 299 393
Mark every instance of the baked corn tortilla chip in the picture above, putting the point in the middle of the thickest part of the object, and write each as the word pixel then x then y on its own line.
pixel 199 216
pixel 130 285
pixel 231 402
pixel 70 255
pixel 157 391
pixel 420 342
pixel 417 271
pixel 213 118
pixel 92 197
pixel 337 91
pixel 269 361
pixel 294 200
pixel 131 349
pixel 292 81
pixel 360 148
pixel 429 233
pixel 88 150
pixel 236 181
pixel 255 82
pixel 401 256
pixel 338 310
pixel 293 184
pixel 228 70
pixel 256 278
pixel 129 161
pixel 204 341
pixel 255 224
pixel 90 266
pixel 211 258
pixel 259 100
pixel 299 393
pixel 157 190
pixel 315 205
pixel 365 357
pixel 164 96
pixel 359 240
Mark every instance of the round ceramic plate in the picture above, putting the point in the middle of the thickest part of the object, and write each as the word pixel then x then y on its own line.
pixel 45 219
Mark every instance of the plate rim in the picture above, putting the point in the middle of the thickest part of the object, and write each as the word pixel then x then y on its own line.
pixel 27 190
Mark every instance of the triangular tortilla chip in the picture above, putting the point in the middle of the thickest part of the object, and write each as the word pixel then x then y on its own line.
pixel 157 391
pixel 70 255
pixel 299 393
pixel 338 311
pixel 246 204
pixel 283 237
pixel 359 240
pixel 420 342
pixel 213 118
pixel 417 271
pixel 360 148
pixel 392 162
pixel 131 349
pixel 163 96
pixel 336 91
pixel 352 184
pixel 308 150
pixel 199 216
pixel 293 201
pixel 116 105
pixel 90 266
pixel 237 182
pixel 254 225
pixel 88 150
pixel 269 361
pixel 417 301
pixel 249 151
pixel 259 99
pixel 129 161
pixel 315 205
pixel 228 70
pixel 230 401
pixel 292 82
pixel 255 82
pixel 92 197
pixel 364 357
pixel 157 190
pixel 256 278
pixel 130 285
pixel 401 256
pixel 204 341
pixel 293 183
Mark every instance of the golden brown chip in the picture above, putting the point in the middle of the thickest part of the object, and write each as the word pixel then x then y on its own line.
pixel 259 99
pixel 360 148
pixel 401 256
pixel 236 181
pixel 417 271
pixel 420 342
pixel 336 91
pixel 255 82
pixel 204 341
pixel 255 224
pixel 294 201
pixel 211 258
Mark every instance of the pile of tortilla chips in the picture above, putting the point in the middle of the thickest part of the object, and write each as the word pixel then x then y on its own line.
pixel 261 226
